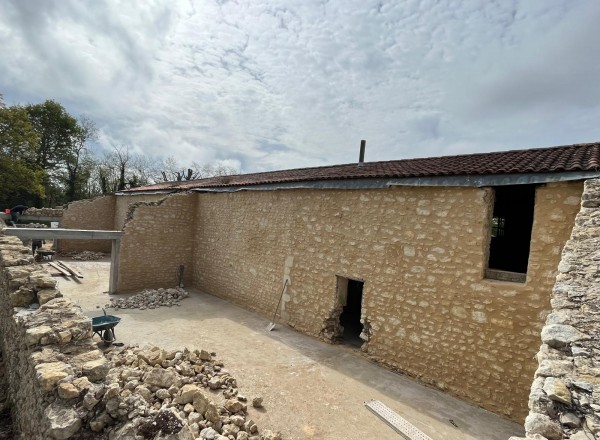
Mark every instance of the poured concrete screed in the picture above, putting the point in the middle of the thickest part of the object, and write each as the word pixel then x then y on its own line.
pixel 311 390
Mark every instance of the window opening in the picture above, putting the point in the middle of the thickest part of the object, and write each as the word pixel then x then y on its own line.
pixel 512 221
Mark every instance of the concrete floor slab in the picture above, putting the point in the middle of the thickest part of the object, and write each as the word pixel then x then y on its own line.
pixel 311 390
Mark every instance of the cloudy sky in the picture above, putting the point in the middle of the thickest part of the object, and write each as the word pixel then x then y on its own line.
pixel 272 84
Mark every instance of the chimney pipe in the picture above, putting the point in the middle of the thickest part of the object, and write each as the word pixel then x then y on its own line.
pixel 361 157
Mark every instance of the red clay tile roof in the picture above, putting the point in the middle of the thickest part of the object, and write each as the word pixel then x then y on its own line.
pixel 578 157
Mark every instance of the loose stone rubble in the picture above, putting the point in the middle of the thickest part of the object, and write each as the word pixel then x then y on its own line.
pixel 34 225
pixel 565 395
pixel 44 212
pixel 150 299
pixel 150 393
pixel 61 386
pixel 83 255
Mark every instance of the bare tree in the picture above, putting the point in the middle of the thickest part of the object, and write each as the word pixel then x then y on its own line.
pixel 172 172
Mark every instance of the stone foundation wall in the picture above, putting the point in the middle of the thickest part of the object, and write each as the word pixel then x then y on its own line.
pixel 96 214
pixel 158 239
pixel 565 395
pixel 43 348
pixel 427 309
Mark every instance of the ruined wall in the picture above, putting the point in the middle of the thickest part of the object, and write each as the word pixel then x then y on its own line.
pixel 96 214
pixel 421 252
pixel 122 206
pixel 49 357
pixel 565 395
pixel 158 239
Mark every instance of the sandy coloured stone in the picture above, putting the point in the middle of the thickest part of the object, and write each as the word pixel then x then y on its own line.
pixel 160 377
pixel 189 393
pixel 95 370
pixel 557 390
pixel 67 391
pixel 49 374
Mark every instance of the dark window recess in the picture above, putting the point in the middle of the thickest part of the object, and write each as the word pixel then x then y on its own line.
pixel 511 228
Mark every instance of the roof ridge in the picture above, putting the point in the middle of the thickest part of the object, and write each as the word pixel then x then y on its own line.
pixel 553 159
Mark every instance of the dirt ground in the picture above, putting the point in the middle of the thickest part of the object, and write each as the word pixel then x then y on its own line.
pixel 311 390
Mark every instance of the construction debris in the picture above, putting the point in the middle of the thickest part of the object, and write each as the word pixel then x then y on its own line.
pixel 34 225
pixel 83 255
pixel 44 212
pixel 150 299
pixel 153 393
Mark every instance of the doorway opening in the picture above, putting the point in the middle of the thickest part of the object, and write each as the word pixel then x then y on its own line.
pixel 351 295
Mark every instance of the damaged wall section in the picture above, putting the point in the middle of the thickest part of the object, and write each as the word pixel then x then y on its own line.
pixel 157 241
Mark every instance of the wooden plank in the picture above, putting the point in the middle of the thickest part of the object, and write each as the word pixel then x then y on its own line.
pixel 60 269
pixel 70 269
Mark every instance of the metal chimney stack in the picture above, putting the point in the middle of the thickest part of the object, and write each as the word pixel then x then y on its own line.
pixel 361 157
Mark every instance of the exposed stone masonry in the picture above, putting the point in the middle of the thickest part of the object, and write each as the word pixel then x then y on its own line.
pixel 44 338
pixel 565 396
pixel 61 386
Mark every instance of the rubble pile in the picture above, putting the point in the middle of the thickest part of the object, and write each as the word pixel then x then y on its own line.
pixel 44 212
pixel 34 225
pixel 83 255
pixel 150 299
pixel 151 393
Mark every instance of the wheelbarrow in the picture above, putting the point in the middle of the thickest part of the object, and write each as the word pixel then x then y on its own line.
pixel 104 326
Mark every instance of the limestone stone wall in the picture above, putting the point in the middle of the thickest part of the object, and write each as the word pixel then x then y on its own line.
pixel 43 349
pixel 158 239
pixel 565 395
pixel 123 203
pixel 421 252
pixel 98 214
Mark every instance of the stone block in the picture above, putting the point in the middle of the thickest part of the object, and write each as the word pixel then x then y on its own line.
pixel 49 374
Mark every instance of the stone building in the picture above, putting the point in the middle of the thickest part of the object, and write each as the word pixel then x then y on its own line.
pixel 441 268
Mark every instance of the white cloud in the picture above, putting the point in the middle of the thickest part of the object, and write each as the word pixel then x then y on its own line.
pixel 278 84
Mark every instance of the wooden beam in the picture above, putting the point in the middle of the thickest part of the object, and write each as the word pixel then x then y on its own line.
pixel 60 269
pixel 70 269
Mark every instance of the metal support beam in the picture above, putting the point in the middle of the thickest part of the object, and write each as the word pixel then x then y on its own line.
pixel 32 218
pixel 114 266
pixel 70 234
pixel 77 234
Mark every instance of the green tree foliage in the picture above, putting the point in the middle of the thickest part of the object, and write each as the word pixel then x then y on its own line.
pixel 19 183
pixel 20 179
pixel 45 159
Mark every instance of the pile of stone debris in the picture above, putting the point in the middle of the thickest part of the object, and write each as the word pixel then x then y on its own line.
pixel 150 299
pixel 150 393
pixel 44 212
pixel 83 255
pixel 34 225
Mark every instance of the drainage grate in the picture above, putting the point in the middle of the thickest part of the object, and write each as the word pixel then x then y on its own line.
pixel 401 425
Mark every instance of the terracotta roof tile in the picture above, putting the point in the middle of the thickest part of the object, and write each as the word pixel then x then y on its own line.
pixel 578 157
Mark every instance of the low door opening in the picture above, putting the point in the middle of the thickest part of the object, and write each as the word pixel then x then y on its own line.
pixel 350 317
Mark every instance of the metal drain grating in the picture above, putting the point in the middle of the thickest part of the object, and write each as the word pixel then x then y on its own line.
pixel 401 425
